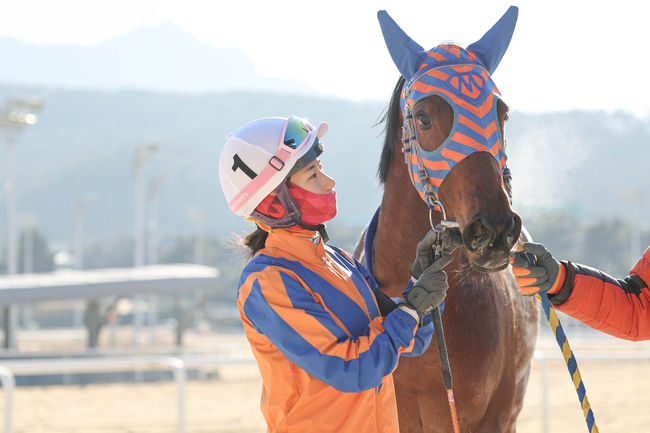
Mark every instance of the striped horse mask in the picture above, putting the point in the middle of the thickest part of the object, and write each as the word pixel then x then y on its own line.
pixel 462 78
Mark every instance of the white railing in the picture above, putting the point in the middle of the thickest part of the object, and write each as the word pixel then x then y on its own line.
pixel 8 385
pixel 178 366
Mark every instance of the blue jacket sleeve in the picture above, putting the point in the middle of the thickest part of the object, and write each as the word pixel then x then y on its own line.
pixel 286 312
pixel 422 337
pixel 425 330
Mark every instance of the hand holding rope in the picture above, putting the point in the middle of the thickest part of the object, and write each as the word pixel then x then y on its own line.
pixel 567 353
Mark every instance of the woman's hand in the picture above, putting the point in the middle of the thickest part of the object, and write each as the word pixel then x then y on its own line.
pixel 430 289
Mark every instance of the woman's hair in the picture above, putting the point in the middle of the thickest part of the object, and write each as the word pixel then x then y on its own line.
pixel 255 241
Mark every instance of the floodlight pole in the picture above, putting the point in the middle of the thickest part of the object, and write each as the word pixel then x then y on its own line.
pixel 152 217
pixel 16 114
pixel 10 318
pixel 141 155
pixel 29 223
pixel 12 241
pixel 152 248
pixel 78 230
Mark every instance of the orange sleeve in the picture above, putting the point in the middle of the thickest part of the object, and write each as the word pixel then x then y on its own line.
pixel 617 307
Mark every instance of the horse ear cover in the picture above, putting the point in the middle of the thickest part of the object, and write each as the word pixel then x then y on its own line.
pixel 408 55
pixel 493 45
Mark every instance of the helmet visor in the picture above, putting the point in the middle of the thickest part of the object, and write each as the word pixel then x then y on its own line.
pixel 296 132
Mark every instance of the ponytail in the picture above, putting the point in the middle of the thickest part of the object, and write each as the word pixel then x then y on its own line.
pixel 255 241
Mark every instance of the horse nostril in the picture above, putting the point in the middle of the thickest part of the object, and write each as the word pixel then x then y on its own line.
pixel 479 235
pixel 511 234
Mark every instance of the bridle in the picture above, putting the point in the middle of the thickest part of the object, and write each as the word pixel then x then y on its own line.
pixel 410 145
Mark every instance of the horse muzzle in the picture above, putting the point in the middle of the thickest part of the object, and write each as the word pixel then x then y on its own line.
pixel 488 244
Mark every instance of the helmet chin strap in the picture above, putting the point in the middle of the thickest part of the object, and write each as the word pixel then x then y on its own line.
pixel 292 214
pixel 320 228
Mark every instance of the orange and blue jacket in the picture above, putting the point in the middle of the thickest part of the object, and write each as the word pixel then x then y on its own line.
pixel 617 307
pixel 325 353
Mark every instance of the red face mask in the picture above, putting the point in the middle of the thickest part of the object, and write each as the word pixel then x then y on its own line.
pixel 314 208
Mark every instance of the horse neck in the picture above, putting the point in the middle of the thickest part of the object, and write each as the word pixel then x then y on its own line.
pixel 403 222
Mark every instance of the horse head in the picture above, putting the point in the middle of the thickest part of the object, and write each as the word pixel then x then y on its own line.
pixel 452 135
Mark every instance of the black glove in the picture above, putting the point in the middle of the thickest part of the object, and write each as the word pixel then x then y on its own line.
pixel 451 239
pixel 430 289
pixel 544 275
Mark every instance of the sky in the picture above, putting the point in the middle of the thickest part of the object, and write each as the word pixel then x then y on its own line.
pixel 564 54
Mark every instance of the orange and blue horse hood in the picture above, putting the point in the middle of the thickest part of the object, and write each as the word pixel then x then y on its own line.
pixel 462 78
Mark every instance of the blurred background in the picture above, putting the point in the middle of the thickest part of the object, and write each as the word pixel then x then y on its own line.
pixel 113 114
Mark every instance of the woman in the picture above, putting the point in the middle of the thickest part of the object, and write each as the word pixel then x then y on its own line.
pixel 617 307
pixel 326 340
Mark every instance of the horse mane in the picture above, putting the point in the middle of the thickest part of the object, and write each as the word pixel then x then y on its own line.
pixel 392 120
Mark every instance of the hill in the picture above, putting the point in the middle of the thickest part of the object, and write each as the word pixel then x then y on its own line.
pixel 587 164
pixel 156 58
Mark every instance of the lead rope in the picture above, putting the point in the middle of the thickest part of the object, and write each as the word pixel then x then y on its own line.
pixel 437 319
pixel 570 360
pixel 558 331
pixel 410 145
pixel 567 353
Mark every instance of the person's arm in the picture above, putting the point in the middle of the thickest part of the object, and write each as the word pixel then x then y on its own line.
pixel 425 330
pixel 288 313
pixel 619 307
pixel 387 305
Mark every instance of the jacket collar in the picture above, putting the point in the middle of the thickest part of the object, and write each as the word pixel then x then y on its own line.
pixel 304 246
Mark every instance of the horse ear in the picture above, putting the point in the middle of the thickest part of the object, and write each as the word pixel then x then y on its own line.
pixel 493 45
pixel 406 53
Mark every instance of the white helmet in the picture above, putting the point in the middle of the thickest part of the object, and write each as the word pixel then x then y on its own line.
pixel 260 155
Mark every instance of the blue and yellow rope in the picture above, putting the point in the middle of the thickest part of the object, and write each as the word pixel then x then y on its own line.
pixel 571 363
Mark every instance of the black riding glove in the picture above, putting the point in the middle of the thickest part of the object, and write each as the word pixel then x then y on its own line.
pixel 451 239
pixel 430 289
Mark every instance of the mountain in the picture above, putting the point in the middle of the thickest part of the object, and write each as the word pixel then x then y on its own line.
pixel 157 58
pixel 586 164
pixel 84 142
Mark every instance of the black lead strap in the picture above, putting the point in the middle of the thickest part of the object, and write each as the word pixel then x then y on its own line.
pixel 440 341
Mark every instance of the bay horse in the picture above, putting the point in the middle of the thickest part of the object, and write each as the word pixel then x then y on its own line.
pixel 490 329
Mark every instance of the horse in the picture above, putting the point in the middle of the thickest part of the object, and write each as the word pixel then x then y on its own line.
pixel 489 327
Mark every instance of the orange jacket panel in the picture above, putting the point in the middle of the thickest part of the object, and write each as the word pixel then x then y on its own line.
pixel 617 307
pixel 325 353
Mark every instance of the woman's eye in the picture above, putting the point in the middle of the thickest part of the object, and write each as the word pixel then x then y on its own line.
pixel 423 119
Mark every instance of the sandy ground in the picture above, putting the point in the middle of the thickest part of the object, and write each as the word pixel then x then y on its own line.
pixel 618 392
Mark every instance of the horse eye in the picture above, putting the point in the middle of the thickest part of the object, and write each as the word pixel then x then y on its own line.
pixel 423 119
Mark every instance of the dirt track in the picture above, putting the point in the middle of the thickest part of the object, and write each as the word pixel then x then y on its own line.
pixel 618 392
